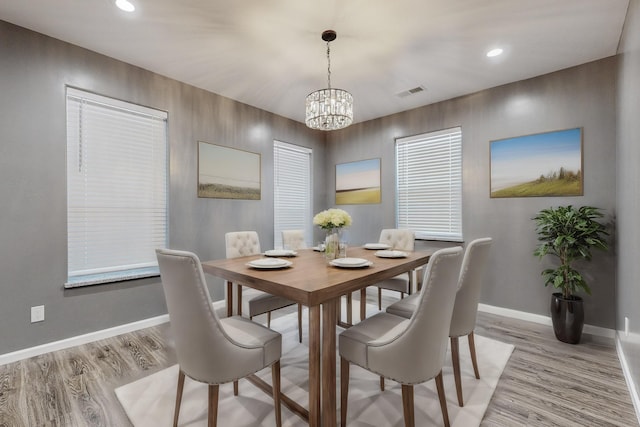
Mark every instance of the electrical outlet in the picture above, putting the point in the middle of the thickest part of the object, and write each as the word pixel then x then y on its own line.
pixel 37 313
pixel 626 326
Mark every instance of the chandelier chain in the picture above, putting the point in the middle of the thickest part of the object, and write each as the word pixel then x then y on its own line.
pixel 328 66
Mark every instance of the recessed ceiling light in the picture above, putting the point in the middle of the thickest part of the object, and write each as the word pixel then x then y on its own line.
pixel 125 5
pixel 494 52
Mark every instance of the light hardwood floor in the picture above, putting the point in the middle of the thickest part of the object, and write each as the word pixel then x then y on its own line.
pixel 546 383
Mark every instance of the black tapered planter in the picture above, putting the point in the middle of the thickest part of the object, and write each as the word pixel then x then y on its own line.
pixel 567 316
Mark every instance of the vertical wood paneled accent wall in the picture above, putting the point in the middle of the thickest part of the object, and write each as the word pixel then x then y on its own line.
pixel 34 70
pixel 582 96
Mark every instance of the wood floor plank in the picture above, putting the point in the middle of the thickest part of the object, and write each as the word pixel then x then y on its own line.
pixel 545 383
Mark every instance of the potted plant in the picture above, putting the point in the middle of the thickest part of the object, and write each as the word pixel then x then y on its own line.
pixel 568 234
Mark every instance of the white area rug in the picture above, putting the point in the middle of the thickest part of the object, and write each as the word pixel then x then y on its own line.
pixel 149 402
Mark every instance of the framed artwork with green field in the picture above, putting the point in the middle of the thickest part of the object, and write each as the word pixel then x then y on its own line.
pixel 358 182
pixel 538 165
pixel 228 173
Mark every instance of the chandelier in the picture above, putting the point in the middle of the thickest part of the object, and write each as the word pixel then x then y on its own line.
pixel 330 108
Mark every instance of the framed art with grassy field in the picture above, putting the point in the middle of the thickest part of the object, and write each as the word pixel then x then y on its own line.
pixel 228 173
pixel 358 182
pixel 542 164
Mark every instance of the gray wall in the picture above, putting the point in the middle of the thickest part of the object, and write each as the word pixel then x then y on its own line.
pixel 629 189
pixel 34 70
pixel 584 97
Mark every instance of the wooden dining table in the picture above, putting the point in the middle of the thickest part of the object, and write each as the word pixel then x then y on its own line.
pixel 311 281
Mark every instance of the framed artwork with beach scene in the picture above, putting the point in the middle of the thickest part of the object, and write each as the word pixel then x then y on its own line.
pixel 358 182
pixel 228 173
pixel 543 164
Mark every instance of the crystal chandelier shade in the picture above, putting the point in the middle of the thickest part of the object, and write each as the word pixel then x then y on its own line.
pixel 330 108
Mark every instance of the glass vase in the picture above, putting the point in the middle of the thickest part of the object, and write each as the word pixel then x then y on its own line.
pixel 332 243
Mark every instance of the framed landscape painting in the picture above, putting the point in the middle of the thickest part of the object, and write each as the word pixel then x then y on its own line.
pixel 543 164
pixel 228 173
pixel 358 182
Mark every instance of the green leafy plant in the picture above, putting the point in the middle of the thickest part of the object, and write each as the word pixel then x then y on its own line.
pixel 569 234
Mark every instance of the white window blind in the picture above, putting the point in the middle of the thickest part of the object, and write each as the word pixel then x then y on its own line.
pixel 429 184
pixel 116 189
pixel 292 192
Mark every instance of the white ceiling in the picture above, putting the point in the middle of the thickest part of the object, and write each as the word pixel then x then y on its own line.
pixel 269 54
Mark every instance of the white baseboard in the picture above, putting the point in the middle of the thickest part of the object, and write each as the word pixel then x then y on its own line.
pixel 26 353
pixel 544 320
pixel 81 339
pixel 631 385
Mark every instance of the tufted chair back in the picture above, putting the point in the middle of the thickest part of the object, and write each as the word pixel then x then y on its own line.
pixel 399 239
pixel 293 239
pixel 242 243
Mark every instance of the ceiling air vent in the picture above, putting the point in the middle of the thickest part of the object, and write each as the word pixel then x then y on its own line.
pixel 412 91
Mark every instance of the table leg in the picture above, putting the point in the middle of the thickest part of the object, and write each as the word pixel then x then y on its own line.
pixel 329 363
pixel 229 299
pixel 314 366
pixel 363 304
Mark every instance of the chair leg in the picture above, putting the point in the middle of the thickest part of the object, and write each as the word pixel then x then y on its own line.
pixel 381 383
pixel 176 411
pixel 380 299
pixel 401 295
pixel 455 360
pixel 407 405
pixel 275 379
pixel 268 319
pixel 344 390
pixel 472 349
pixel 235 388
pixel 299 322
pixel 213 405
pixel 443 399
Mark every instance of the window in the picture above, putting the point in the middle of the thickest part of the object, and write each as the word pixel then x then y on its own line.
pixel 429 184
pixel 292 190
pixel 116 189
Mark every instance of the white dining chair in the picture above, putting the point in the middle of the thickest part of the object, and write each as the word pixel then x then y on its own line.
pixel 209 349
pixel 409 351
pixel 293 239
pixel 253 301
pixel 463 319
pixel 397 239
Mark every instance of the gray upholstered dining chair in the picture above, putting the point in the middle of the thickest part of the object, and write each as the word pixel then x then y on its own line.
pixel 293 239
pixel 409 351
pixel 463 319
pixel 209 349
pixel 401 240
pixel 255 302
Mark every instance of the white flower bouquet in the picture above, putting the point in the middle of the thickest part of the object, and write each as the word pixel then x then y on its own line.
pixel 332 218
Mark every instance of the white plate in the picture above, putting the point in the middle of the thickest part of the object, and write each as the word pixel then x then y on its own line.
pixel 391 254
pixel 280 252
pixel 351 262
pixel 265 263
pixel 376 246
pixel 319 248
